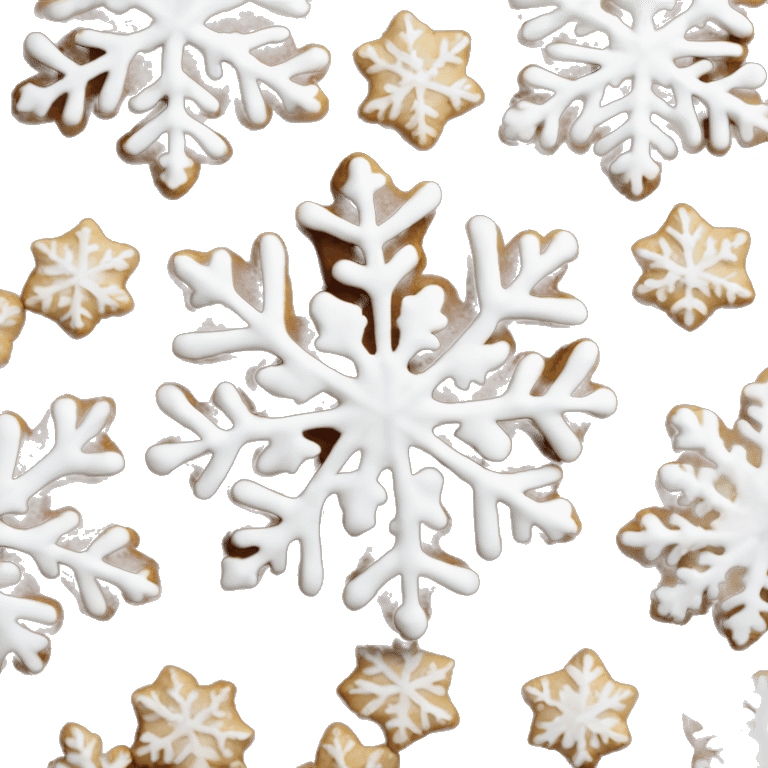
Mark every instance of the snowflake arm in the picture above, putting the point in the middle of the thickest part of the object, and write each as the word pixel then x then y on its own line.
pixel 651 55
pixel 91 70
pixel 710 544
pixel 417 79
pixel 82 749
pixel 580 711
pixel 690 268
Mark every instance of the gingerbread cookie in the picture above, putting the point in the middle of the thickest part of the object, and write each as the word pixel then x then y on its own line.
pixel 11 323
pixel 580 710
pixel 80 278
pixel 417 79
pixel 691 268
pixel 340 748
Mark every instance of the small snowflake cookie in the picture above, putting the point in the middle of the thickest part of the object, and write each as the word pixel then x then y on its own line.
pixel 404 689
pixel 710 540
pixel 417 79
pixel 691 268
pixel 93 70
pixel 580 710
pixel 629 64
pixel 80 278
pixel 340 748
pixel 11 322
pixel 417 359
pixel 52 538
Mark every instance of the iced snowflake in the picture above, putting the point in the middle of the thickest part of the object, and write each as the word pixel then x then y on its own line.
pixel 82 749
pixel 81 449
pixel 407 334
pixel 710 543
pixel 417 79
pixel 92 70
pixel 404 689
pixel 79 278
pixel 340 748
pixel 690 268
pixel 758 725
pixel 633 63
pixel 580 710
pixel 189 725
pixel 11 323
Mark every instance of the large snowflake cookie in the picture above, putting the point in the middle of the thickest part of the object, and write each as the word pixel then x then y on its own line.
pixel 404 689
pixel 340 748
pixel 691 268
pixel 580 710
pixel 80 278
pixel 710 540
pixel 94 70
pixel 414 354
pixel 11 322
pixel 417 79
pixel 81 449
pixel 630 64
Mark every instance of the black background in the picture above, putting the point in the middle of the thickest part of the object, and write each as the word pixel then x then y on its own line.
pixel 537 604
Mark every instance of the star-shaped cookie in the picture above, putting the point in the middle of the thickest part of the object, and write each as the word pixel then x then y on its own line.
pixel 580 710
pixel 691 268
pixel 417 79
pixel 11 322
pixel 80 278
pixel 340 748
pixel 187 725
pixel 404 689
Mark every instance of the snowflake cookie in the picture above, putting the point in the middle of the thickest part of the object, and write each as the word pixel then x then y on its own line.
pixel 417 79
pixel 94 70
pixel 11 322
pixel 408 335
pixel 629 64
pixel 81 449
pixel 340 748
pixel 404 689
pixel 691 268
pixel 580 710
pixel 80 278
pixel 710 541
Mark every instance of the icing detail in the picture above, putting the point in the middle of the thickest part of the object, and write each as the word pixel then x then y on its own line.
pixel 580 711
pixel 340 748
pixel 81 448
pixel 710 542
pixel 189 725
pixel 80 278
pixel 67 88
pixel 11 323
pixel 82 749
pixel 402 688
pixel 703 754
pixel 417 79
pixel 681 65
pixel 407 335
pixel 690 268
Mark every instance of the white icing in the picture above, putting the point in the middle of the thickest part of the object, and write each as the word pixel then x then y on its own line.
pixel 416 77
pixel 80 450
pixel 587 712
pixel 190 726
pixel 386 409
pixel 338 746
pixel 716 477
pixel 175 26
pixel 694 53
pixel 79 277
pixel 10 313
pixel 688 265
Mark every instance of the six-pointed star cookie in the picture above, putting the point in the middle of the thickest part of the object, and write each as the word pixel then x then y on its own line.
pixel 580 711
pixel 80 278
pixel 402 688
pixel 417 79
pixel 340 748
pixel 11 322
pixel 691 268
pixel 188 725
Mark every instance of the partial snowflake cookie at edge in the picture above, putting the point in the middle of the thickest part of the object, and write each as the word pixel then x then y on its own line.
pixel 93 70
pixel 681 66
pixel 710 541
pixel 423 359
